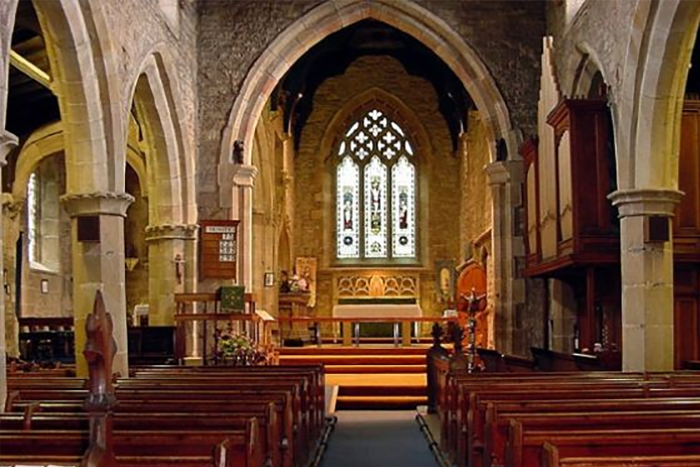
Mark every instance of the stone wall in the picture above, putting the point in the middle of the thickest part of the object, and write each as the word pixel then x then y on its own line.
pixel 55 299
pixel 439 174
pixel 505 35
pixel 476 219
pixel 613 23
pixel 140 28
pixel 135 244
pixel 231 37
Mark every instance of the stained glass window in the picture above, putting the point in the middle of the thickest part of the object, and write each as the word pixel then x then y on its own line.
pixel 376 171
pixel 33 218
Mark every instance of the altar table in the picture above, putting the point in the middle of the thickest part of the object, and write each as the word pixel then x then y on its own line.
pixel 377 312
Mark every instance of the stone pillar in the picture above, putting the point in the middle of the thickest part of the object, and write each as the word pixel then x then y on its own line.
pixel 647 279
pixel 99 265
pixel 11 210
pixel 8 142
pixel 167 261
pixel 244 180
pixel 506 179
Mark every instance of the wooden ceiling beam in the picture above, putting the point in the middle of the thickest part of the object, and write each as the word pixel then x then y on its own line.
pixel 31 70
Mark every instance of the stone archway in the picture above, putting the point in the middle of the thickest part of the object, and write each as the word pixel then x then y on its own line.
pixel 411 18
pixel 648 123
pixel 332 16
pixel 168 233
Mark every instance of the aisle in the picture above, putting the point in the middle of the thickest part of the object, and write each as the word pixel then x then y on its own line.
pixel 377 438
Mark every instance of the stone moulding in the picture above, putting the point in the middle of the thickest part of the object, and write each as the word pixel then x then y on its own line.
pixel 646 202
pixel 97 203
pixel 8 142
pixel 171 232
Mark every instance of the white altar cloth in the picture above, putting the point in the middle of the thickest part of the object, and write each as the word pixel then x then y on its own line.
pixel 377 311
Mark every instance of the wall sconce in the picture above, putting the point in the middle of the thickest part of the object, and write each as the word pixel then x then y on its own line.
pixel 131 263
pixel 5 284
pixel 179 267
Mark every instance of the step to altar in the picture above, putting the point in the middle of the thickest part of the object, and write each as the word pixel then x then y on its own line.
pixel 369 377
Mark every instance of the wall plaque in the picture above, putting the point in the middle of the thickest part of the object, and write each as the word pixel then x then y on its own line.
pixel 218 249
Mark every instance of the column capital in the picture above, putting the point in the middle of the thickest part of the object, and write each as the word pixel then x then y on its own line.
pixel 646 202
pixel 244 175
pixel 171 232
pixel 11 207
pixel 102 203
pixel 502 172
pixel 8 142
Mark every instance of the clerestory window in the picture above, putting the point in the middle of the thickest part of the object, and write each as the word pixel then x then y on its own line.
pixel 375 190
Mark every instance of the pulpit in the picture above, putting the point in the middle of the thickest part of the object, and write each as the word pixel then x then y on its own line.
pixel 294 305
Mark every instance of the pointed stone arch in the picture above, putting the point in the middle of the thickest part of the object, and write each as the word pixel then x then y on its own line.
pixel 650 103
pixel 164 155
pixel 334 15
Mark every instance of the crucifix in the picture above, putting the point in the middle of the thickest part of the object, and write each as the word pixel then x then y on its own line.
pixel 475 303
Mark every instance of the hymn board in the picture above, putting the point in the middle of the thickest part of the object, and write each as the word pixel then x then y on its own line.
pixel 218 249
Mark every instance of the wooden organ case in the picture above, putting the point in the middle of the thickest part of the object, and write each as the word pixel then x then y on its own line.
pixel 686 240
pixel 572 228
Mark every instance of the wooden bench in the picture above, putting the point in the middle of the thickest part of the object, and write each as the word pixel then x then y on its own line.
pixel 236 447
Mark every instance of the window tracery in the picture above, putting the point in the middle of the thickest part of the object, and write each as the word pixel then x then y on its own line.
pixel 375 190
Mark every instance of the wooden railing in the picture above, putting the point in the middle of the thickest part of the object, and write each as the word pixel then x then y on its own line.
pixel 351 329
pixel 199 319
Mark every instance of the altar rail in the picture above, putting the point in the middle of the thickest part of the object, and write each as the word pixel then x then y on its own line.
pixel 353 322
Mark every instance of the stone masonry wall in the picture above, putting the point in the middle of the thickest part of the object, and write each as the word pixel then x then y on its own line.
pixel 613 23
pixel 440 169
pixel 506 35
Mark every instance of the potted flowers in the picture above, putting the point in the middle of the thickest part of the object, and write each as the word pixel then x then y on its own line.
pixel 240 350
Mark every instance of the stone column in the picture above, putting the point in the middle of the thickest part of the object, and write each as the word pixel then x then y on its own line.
pixel 506 179
pixel 244 180
pixel 8 142
pixel 647 279
pixel 11 210
pixel 99 265
pixel 167 261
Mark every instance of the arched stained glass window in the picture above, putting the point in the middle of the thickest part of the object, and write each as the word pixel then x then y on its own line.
pixel 375 190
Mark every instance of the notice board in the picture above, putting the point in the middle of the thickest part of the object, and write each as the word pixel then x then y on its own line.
pixel 218 249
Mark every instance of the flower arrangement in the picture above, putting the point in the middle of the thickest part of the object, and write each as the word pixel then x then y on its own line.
pixel 241 350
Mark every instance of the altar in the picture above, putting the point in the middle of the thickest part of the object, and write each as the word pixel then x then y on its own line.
pixel 372 312
pixel 376 296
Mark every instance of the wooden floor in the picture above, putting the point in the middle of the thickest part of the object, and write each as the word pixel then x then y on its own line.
pixel 372 376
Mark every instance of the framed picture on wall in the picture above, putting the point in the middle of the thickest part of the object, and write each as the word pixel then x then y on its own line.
pixel 445 280
pixel 269 279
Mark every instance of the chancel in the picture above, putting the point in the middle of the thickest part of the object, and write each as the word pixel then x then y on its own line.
pixel 303 233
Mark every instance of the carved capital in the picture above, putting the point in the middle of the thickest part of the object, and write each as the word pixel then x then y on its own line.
pixel 171 232
pixel 8 142
pixel 11 207
pixel 97 204
pixel 646 202
pixel 244 175
pixel 503 172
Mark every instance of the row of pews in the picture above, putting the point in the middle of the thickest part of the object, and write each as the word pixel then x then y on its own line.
pixel 166 416
pixel 572 419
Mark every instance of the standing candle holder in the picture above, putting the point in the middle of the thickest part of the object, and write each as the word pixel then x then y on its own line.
pixel 475 303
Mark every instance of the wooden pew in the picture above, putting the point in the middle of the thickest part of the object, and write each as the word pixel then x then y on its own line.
pixel 241 448
pixel 507 430
pixel 269 441
pixel 597 443
pixel 466 426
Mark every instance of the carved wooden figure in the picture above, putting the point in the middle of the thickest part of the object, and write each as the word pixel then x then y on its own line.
pixel 99 352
